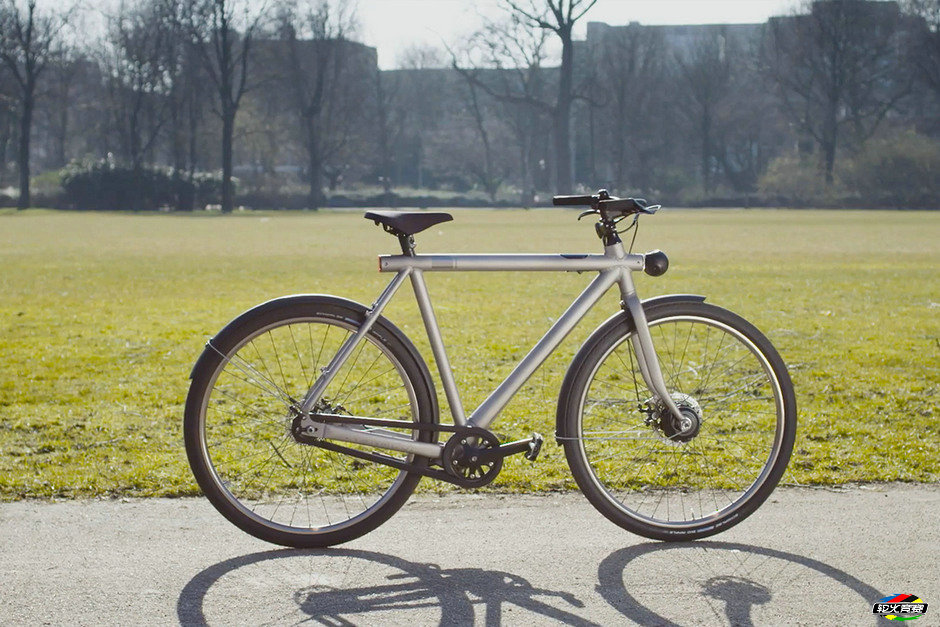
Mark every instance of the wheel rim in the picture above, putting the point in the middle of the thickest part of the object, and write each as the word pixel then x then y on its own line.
pixel 261 470
pixel 659 476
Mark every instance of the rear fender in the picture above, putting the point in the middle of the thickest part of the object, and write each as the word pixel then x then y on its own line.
pixel 223 340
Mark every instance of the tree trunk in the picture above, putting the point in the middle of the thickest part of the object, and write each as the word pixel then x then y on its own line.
pixel 228 192
pixel 139 202
pixel 706 151
pixel 592 148
pixel 180 195
pixel 829 152
pixel 4 146
pixel 830 140
pixel 193 139
pixel 26 124
pixel 562 118
pixel 61 141
pixel 314 167
pixel 525 160
pixel 620 137
pixel 384 138
pixel 419 161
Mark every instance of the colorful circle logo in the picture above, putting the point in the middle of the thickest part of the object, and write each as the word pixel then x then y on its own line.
pixel 900 607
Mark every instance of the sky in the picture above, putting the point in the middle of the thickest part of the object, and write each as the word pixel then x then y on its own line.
pixel 392 26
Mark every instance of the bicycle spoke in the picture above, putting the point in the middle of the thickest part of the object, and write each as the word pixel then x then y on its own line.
pixel 248 418
pixel 667 476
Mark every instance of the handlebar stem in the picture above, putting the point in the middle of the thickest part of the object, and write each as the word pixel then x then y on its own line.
pixel 607 231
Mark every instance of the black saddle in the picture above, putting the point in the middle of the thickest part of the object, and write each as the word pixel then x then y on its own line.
pixel 407 222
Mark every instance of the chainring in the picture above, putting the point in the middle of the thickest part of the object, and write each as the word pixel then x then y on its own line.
pixel 463 457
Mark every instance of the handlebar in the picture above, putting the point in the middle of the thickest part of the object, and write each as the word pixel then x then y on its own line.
pixel 609 207
pixel 573 201
pixel 611 211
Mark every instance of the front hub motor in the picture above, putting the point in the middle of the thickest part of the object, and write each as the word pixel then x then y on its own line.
pixel 684 428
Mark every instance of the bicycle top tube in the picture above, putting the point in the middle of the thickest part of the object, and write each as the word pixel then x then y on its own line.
pixel 512 262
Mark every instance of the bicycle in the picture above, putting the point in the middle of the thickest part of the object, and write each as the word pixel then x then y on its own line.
pixel 310 419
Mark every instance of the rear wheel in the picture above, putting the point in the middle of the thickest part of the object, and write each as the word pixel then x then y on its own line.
pixel 241 411
pixel 668 478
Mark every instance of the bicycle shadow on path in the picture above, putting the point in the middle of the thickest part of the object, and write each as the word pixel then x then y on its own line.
pixel 652 584
pixel 346 587
pixel 729 583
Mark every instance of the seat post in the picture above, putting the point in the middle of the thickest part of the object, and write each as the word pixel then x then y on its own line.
pixel 407 243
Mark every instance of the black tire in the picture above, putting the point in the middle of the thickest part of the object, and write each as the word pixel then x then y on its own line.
pixel 667 481
pixel 237 423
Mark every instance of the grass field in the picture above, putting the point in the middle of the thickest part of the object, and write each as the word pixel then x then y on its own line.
pixel 103 315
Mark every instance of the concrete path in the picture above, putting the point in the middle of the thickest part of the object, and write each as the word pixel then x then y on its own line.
pixel 813 557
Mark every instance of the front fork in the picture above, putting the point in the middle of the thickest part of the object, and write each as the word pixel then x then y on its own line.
pixel 643 344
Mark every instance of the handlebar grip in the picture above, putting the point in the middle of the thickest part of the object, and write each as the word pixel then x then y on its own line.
pixel 626 205
pixel 576 201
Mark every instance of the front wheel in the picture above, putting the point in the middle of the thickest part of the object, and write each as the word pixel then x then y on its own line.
pixel 666 478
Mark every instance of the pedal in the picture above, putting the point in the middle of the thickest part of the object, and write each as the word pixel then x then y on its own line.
pixel 535 447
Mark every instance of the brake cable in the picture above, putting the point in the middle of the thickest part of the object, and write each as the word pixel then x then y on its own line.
pixel 635 226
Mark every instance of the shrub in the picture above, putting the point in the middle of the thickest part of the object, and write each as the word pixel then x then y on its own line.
pixel 901 170
pixel 208 188
pixel 797 180
pixel 104 185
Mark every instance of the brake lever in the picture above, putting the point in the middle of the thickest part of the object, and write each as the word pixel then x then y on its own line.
pixel 587 213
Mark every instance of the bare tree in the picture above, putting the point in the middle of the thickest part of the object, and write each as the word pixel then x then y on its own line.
pixel 837 69
pixel 390 116
pixel 7 120
pixel 28 42
pixel 549 16
pixel 632 67
pixel 63 83
pixel 750 131
pixel 224 32
pixel 558 17
pixel 320 74
pixel 186 100
pixel 486 173
pixel 506 61
pixel 705 73
pixel 927 45
pixel 141 72
pixel 424 93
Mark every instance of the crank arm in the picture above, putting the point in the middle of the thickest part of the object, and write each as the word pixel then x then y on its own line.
pixel 530 447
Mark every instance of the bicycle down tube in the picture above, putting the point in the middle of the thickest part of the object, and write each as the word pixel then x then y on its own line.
pixel 613 267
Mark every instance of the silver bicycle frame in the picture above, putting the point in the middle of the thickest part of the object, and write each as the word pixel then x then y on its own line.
pixel 615 266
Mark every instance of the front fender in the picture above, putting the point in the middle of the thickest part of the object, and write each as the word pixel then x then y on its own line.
pixel 649 303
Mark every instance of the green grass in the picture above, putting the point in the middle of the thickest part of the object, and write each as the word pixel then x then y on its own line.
pixel 103 315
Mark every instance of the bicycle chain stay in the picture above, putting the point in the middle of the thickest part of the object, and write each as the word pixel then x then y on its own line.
pixel 459 431
pixel 386 460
